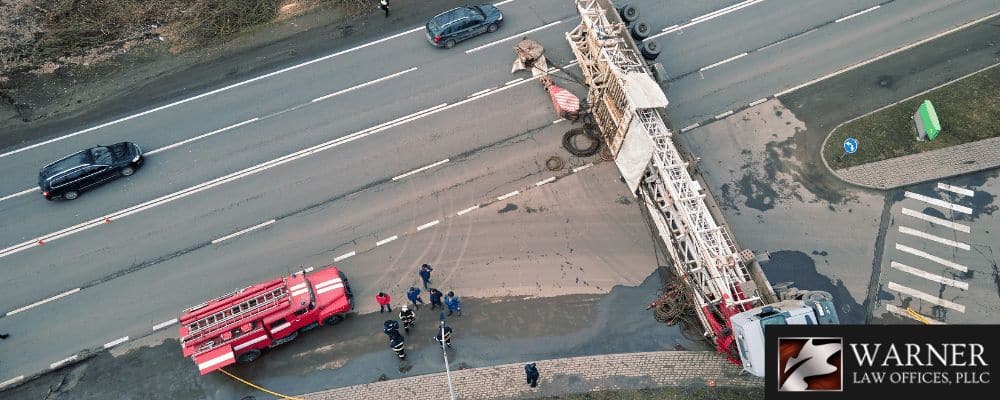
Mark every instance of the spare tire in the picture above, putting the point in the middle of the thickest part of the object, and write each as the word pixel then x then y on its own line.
pixel 629 13
pixel 640 30
pixel 570 145
pixel 650 49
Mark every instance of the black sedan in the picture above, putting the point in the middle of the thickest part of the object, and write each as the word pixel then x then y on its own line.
pixel 458 24
pixel 85 169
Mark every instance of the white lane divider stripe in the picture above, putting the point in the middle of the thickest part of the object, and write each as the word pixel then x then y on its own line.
pixel 468 210
pixel 558 121
pixel 164 324
pixel 926 297
pixel 929 276
pixel 115 342
pixel 690 127
pixel 419 170
pixel 513 81
pixel 547 180
pixel 730 59
pixel 428 225
pixel 706 17
pixel 366 84
pixel 939 260
pixel 948 242
pixel 40 302
pixel 939 202
pixel 901 312
pixel 519 35
pixel 344 256
pixel 955 189
pixel 11 381
pixel 758 101
pixel 724 115
pixel 508 195
pixel 62 362
pixel 202 136
pixel 867 10
pixel 582 167
pixel 252 228
pixel 386 240
pixel 936 220
pixel 21 193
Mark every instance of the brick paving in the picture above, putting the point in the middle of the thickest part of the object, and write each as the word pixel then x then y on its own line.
pixel 559 377
pixel 927 166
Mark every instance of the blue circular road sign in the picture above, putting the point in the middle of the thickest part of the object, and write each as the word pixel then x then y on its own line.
pixel 850 145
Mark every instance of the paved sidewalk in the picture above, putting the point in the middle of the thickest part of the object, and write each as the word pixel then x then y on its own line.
pixel 922 167
pixel 559 377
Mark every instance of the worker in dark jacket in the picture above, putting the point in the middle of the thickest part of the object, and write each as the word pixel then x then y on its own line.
pixel 436 296
pixel 398 344
pixel 446 338
pixel 408 317
pixel 425 274
pixel 414 295
pixel 383 300
pixel 390 326
pixel 532 372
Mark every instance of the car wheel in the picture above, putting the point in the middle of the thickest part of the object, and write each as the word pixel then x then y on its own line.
pixel 650 49
pixel 70 195
pixel 248 357
pixel 492 28
pixel 629 13
pixel 333 320
pixel 449 44
pixel 127 171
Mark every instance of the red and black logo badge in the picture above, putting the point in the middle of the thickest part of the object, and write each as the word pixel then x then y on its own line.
pixel 810 364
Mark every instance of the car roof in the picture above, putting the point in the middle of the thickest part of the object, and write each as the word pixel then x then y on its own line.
pixel 79 158
pixel 452 15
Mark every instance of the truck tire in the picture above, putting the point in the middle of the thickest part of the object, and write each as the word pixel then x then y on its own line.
pixel 650 49
pixel 640 30
pixel 333 320
pixel 248 357
pixel 629 13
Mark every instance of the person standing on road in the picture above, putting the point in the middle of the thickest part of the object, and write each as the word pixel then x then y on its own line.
pixel 453 304
pixel 414 295
pixel 407 316
pixel 384 5
pixel 383 300
pixel 532 373
pixel 436 296
pixel 425 274
pixel 447 335
pixel 390 326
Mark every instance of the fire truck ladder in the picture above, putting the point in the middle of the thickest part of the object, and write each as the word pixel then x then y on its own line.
pixel 247 308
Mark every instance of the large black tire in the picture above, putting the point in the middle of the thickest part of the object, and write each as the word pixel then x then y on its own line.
pixel 650 49
pixel 629 13
pixel 248 357
pixel 570 145
pixel 640 30
pixel 333 319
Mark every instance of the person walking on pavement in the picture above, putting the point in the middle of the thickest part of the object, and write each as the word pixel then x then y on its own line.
pixel 447 335
pixel 383 300
pixel 532 372
pixel 407 316
pixel 425 274
pixel 454 305
pixel 384 5
pixel 436 296
pixel 414 295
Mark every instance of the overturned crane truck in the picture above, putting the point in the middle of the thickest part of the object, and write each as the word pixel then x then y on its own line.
pixel 732 297
pixel 239 326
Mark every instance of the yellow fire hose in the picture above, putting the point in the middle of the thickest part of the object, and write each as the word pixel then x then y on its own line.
pixel 251 384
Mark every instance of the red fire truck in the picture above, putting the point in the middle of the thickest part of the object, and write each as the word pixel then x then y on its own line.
pixel 237 327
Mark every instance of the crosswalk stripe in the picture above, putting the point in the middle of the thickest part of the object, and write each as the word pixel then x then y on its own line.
pixel 929 276
pixel 956 189
pixel 939 202
pixel 936 259
pixel 913 232
pixel 899 311
pixel 926 297
pixel 937 221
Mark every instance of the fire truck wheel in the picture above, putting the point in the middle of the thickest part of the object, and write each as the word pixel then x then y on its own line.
pixel 650 49
pixel 248 357
pixel 640 30
pixel 333 320
pixel 629 13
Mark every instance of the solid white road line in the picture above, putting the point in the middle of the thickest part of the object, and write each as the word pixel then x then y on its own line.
pixel 706 17
pixel 956 189
pixel 582 167
pixel 939 202
pixel 369 83
pixel 508 195
pixel 690 127
pixel 164 324
pixel 670 28
pixel 386 240
pixel 901 312
pixel 733 58
pixel 759 101
pixel 21 193
pixel 857 14
pixel 255 227
pixel 419 170
pixel 502 3
pixel 428 225
pixel 519 35
pixel 935 220
pixel 62 362
pixel 344 256
pixel 948 242
pixel 547 180
pixel 40 302
pixel 468 210
pixel 926 297
pixel 724 115
pixel 929 276
pixel 202 136
pixel 11 381
pixel 939 260
pixel 513 81
pixel 115 342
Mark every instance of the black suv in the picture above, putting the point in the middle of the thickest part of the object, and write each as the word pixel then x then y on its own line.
pixel 83 170
pixel 458 24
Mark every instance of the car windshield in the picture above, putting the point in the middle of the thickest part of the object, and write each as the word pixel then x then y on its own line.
pixel 101 155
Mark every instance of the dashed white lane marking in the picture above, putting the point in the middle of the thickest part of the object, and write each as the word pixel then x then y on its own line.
pixel 669 28
pixel 558 121
pixel 202 136
pixel 901 312
pixel 386 240
pixel 508 195
pixel 948 242
pixel 929 276
pixel 582 167
pixel 366 84
pixel 867 10
pixel 468 210
pixel 955 189
pixel 522 34
pixel 62 362
pixel 115 342
pixel 926 297
pixel 40 302
pixel 939 260
pixel 730 59
pixel 724 115
pixel 690 127
pixel 937 221
pixel 502 3
pixel 235 234
pixel 939 202
pixel 428 225
pixel 21 193
pixel 11 381
pixel 706 17
pixel 544 181
pixel 513 81
pixel 758 101
pixel 419 170
pixel 344 256
pixel 484 91
pixel 164 324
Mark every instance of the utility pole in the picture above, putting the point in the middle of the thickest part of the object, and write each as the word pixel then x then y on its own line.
pixel 444 351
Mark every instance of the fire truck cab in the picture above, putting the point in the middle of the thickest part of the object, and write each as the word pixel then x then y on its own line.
pixel 238 326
